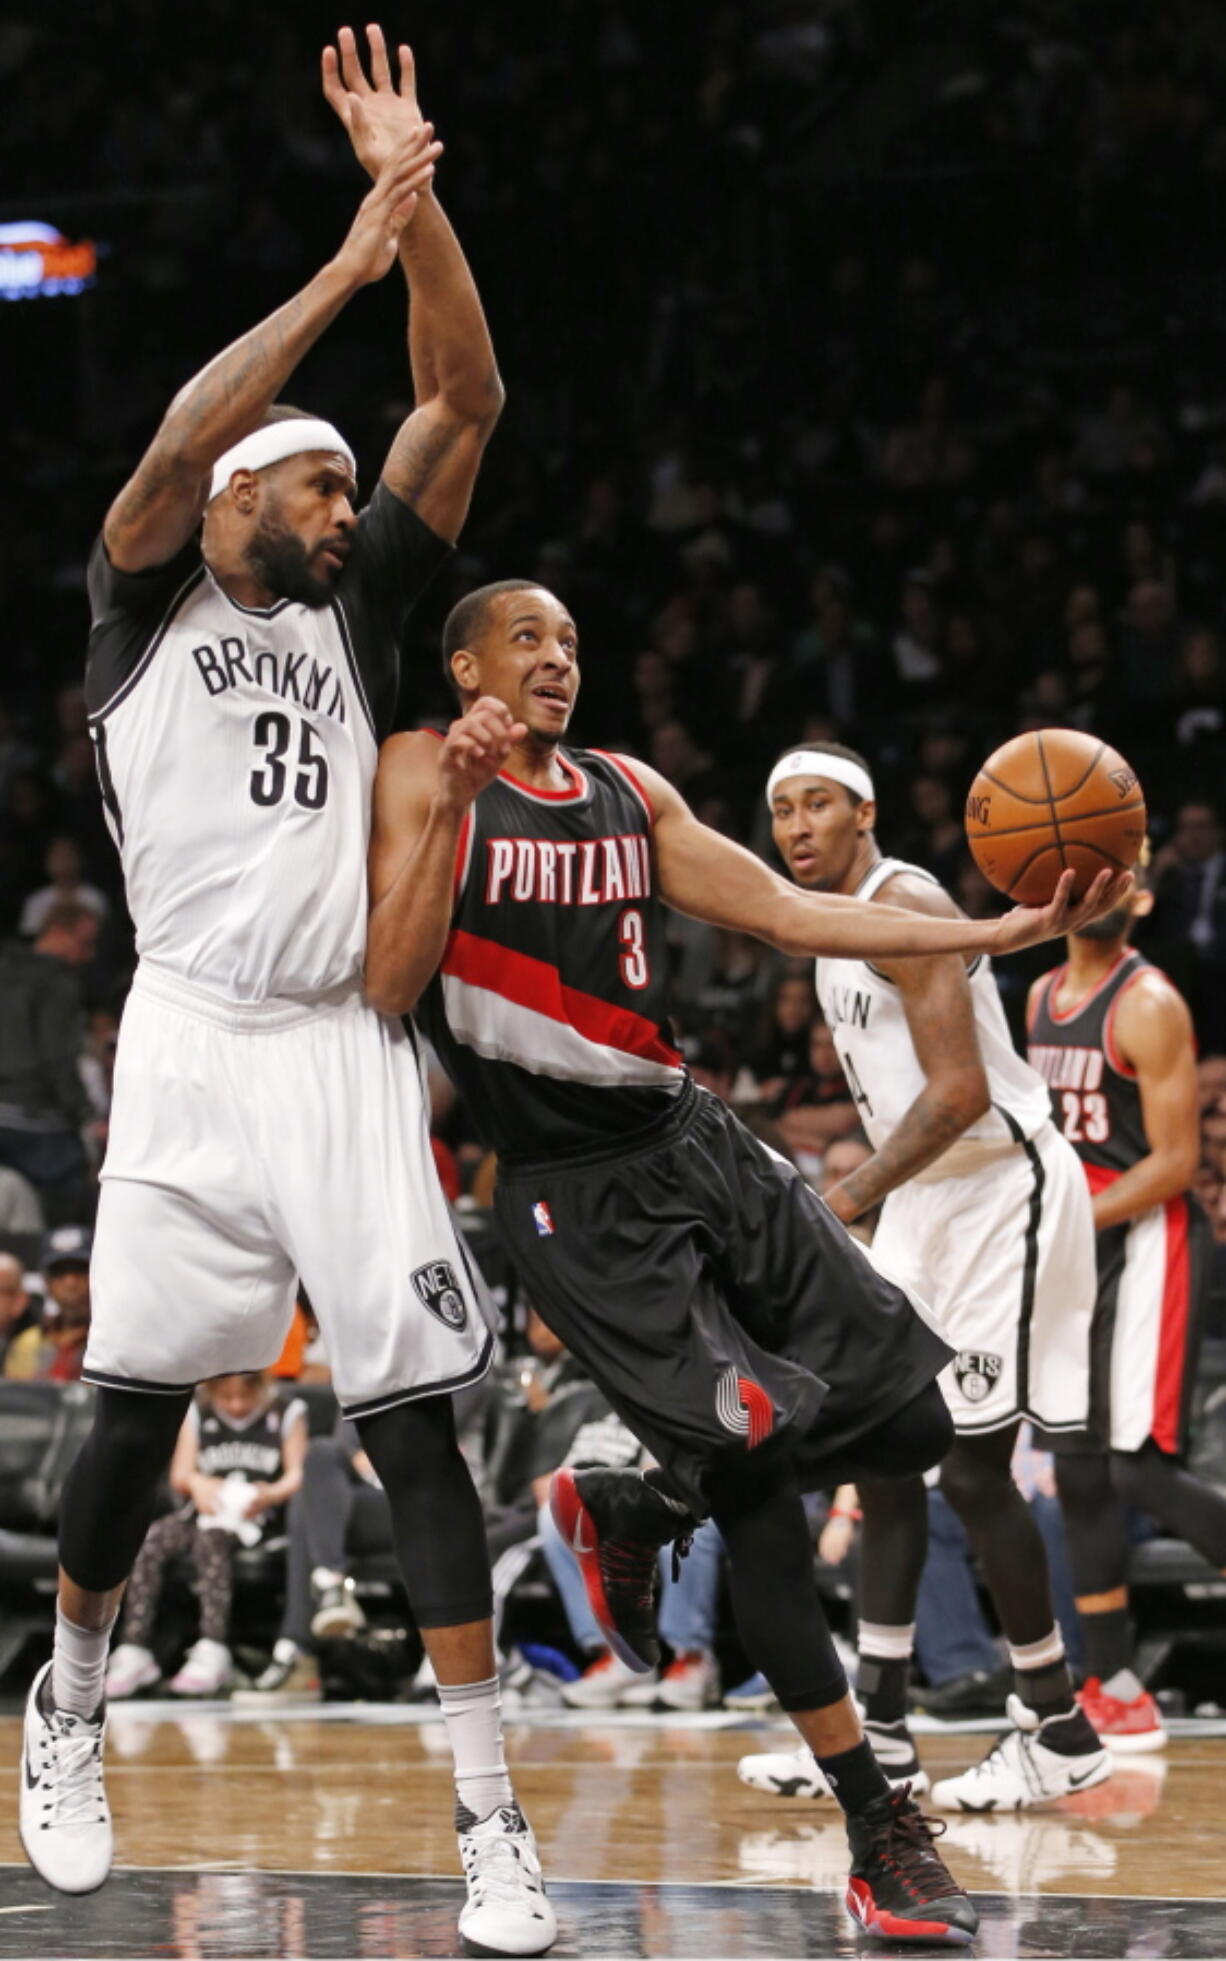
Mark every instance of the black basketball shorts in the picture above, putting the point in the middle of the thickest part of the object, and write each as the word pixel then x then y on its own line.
pixel 714 1298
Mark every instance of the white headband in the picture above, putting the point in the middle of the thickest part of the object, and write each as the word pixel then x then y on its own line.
pixel 814 762
pixel 273 444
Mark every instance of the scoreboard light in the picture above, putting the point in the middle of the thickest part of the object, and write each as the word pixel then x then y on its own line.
pixel 39 263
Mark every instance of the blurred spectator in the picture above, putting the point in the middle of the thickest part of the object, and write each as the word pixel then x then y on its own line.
pixel 18 1314
pixel 782 1054
pixel 43 1102
pixel 816 1108
pixel 238 1460
pixel 54 1350
pixel 66 887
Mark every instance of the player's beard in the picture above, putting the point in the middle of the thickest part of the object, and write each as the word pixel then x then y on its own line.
pixel 1112 926
pixel 281 563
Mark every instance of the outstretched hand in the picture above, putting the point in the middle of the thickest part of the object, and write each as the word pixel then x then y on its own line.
pixel 378 115
pixel 475 749
pixel 374 236
pixel 1028 925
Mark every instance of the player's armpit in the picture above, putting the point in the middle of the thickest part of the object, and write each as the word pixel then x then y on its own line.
pixel 433 463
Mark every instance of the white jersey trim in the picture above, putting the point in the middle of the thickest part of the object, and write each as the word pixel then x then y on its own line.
pixel 347 642
pixel 504 1031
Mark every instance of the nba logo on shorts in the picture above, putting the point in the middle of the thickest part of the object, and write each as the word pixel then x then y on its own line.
pixel 542 1218
pixel 438 1289
pixel 975 1373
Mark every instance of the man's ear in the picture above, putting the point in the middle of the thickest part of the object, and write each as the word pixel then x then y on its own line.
pixel 866 817
pixel 1142 903
pixel 464 670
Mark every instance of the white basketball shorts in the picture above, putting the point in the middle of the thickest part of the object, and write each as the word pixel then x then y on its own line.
pixel 1004 1256
pixel 251 1146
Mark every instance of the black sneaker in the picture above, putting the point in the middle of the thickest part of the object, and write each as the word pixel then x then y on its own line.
pixel 615 1525
pixel 900 1888
pixel 977 1693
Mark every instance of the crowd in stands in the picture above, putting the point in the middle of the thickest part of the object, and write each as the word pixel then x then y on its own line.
pixel 864 382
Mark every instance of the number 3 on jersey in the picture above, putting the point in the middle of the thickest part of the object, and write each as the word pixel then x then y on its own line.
pixel 272 734
pixel 633 966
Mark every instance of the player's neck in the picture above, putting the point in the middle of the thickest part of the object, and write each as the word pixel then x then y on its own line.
pixel 1089 961
pixel 239 583
pixel 868 854
pixel 536 763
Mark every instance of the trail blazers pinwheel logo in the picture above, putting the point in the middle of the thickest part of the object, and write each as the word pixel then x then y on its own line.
pixel 744 1408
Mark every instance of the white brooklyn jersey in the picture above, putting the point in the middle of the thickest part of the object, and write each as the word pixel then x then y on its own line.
pixel 865 1014
pixel 236 748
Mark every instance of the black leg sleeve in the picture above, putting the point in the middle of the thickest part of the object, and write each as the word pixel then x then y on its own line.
pixel 1153 1482
pixel 977 1481
pixel 893 1549
pixel 774 1596
pixel 110 1492
pixel 437 1526
pixel 1094 1521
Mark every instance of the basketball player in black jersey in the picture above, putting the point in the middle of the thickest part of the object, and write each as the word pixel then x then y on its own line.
pixel 517 894
pixel 1114 1041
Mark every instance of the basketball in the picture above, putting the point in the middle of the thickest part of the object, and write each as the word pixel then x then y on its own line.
pixel 1050 801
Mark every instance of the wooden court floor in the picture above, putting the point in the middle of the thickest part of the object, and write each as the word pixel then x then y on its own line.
pixel 330 1833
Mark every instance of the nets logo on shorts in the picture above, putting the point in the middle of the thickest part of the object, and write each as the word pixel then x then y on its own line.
pixel 975 1373
pixel 743 1407
pixel 438 1289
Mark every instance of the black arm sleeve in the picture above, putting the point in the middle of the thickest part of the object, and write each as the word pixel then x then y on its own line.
pixel 128 611
pixel 393 559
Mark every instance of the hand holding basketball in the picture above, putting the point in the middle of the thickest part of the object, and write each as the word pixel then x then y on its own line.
pixel 1064 912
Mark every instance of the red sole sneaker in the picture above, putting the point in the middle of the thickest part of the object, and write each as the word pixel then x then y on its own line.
pixel 880 1924
pixel 578 1528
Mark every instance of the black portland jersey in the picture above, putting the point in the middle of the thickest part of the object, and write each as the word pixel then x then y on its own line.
pixel 1095 1099
pixel 548 1010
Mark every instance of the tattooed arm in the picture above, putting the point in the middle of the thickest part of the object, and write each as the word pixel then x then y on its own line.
pixel 458 395
pixel 160 506
pixel 936 998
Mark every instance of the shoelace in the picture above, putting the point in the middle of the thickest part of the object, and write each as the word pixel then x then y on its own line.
pixel 908 1847
pixel 683 1546
pixel 72 1766
pixel 499 1869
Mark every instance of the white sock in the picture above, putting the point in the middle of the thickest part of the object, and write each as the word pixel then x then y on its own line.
pixel 472 1712
pixel 78 1666
pixel 1124 1685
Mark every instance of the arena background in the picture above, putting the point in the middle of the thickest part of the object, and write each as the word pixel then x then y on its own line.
pixel 864 369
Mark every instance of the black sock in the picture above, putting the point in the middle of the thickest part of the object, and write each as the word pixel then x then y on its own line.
pixel 855 1777
pixel 1108 1642
pixel 881 1687
pixel 1048 1690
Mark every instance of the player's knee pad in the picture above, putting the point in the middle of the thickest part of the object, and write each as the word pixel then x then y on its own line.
pixel 1130 1479
pixel 111 1489
pixel 976 1484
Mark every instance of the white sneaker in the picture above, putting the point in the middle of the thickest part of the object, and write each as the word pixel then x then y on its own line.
pixel 131 1669
pixel 604 1685
pixel 1021 1769
pixel 795 1774
pixel 507 1911
pixel 65 1818
pixel 338 1615
pixel 689 1682
pixel 206 1671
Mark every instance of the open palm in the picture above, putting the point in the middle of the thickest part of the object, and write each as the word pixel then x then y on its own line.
pixel 377 113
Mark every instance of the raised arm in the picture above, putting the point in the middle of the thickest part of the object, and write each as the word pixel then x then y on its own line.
pixel 458 394
pixel 1153 1032
pixel 936 999
pixel 711 878
pixel 160 506
pixel 424 789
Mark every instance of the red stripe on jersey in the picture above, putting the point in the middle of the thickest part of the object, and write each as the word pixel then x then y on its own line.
pixel 620 763
pixel 537 984
pixel 1173 1328
pixel 1098 1177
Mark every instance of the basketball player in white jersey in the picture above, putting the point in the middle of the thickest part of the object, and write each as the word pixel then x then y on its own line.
pixel 267 1121
pixel 985 1217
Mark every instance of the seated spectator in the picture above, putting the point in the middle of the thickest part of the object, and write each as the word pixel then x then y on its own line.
pixel 842 1157
pixel 18 1314
pixel 817 1107
pixel 65 887
pixel 54 1349
pixel 781 1056
pixel 20 1207
pixel 238 1460
pixel 937 839
pixel 302 1359
pixel 43 1101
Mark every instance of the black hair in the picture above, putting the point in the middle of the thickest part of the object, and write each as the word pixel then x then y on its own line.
pixel 834 749
pixel 469 617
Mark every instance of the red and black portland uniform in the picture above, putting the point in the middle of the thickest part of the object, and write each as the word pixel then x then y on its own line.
pixel 691 1270
pixel 1153 1271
